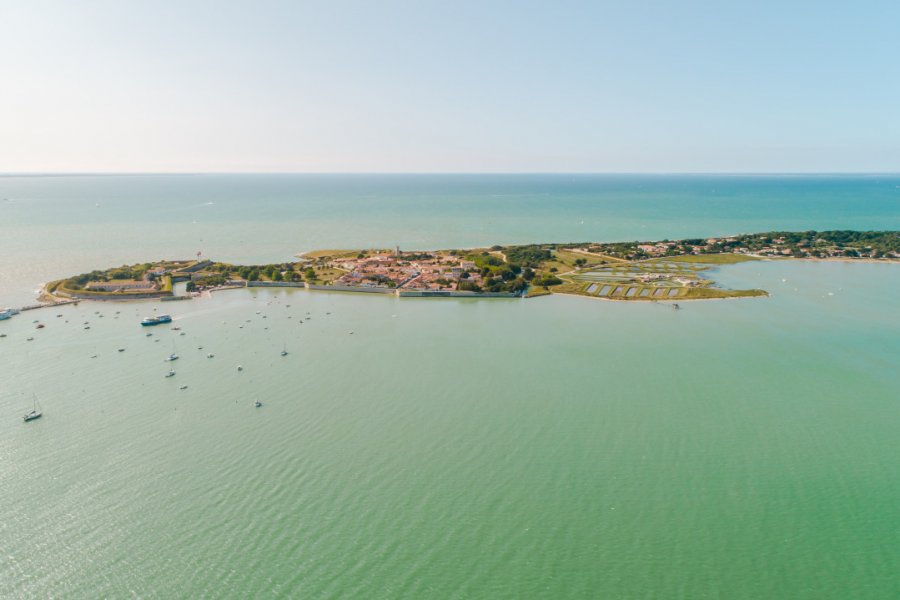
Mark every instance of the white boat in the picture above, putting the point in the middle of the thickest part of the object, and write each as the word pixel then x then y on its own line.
pixel 171 373
pixel 34 413
pixel 172 357
pixel 210 355
pixel 149 321
pixel 284 351
pixel 240 368
pixel 257 404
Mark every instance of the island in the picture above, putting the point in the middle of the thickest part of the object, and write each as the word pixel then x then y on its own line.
pixel 672 270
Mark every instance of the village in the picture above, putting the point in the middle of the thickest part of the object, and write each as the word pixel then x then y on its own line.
pixel 409 271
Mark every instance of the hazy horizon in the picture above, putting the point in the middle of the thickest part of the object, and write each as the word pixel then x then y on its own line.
pixel 523 173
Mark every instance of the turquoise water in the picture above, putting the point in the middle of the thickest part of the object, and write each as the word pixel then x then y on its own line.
pixel 557 447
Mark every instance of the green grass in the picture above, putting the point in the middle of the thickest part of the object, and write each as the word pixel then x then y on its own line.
pixel 708 259
pixel 535 292
pixel 696 293
pixel 315 254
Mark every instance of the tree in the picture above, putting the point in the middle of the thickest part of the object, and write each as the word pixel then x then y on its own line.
pixel 277 276
pixel 548 280
pixel 311 274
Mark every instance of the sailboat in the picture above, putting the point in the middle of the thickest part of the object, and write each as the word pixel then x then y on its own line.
pixel 35 413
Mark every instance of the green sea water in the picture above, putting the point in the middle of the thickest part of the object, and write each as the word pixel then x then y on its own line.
pixel 556 447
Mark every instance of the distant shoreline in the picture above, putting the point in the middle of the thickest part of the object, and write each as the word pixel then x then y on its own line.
pixel 654 271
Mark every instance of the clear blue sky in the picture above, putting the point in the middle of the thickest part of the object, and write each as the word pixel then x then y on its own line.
pixel 449 86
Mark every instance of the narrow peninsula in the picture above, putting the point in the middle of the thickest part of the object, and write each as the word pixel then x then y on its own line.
pixel 625 271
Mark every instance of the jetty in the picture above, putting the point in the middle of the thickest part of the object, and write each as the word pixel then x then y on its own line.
pixel 46 305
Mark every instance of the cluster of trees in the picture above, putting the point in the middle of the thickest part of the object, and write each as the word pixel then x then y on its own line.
pixel 849 242
pixel 382 280
pixel 492 284
pixel 506 281
pixel 210 281
pixel 518 272
pixel 123 272
pixel 126 272
pixel 527 256
pixel 412 256
pixel 547 281
pixel 800 243
pixel 79 281
pixel 273 272
pixel 118 273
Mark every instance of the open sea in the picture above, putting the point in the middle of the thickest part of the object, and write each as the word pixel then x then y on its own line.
pixel 557 447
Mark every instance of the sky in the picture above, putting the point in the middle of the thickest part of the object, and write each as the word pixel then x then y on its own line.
pixel 453 86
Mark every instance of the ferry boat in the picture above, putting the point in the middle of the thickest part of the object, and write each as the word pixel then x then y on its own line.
pixel 158 320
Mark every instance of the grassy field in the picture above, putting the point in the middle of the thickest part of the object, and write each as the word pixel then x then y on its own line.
pixel 710 292
pixel 315 254
pixel 567 257
pixel 327 274
pixel 708 259
pixel 596 257
pixel 535 292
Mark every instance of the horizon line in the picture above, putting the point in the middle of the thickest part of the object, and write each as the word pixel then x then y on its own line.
pixel 370 173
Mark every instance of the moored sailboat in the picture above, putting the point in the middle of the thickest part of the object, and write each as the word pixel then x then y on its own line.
pixel 34 413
